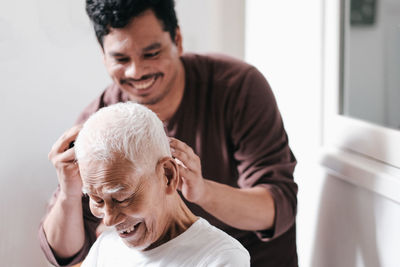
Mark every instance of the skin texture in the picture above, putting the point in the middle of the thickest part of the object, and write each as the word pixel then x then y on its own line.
pixel 143 55
pixel 134 56
pixel 64 223
pixel 146 202
pixel 256 205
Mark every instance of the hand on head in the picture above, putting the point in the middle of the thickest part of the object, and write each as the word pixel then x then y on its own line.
pixel 62 156
pixel 192 184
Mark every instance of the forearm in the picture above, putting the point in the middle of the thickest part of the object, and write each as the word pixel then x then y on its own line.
pixel 246 208
pixel 64 226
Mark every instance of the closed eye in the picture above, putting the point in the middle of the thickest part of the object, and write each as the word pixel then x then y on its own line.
pixel 98 201
pixel 122 60
pixel 121 201
pixel 151 55
pixel 125 200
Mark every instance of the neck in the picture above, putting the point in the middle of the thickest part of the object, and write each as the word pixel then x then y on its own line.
pixel 167 107
pixel 180 219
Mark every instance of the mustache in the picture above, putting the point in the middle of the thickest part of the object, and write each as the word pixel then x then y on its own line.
pixel 144 77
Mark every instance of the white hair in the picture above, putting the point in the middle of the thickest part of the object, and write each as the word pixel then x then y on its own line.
pixel 126 129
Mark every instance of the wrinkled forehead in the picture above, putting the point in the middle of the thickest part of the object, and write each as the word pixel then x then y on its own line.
pixel 108 176
pixel 107 189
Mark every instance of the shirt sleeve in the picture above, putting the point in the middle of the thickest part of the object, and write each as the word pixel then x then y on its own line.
pixel 90 224
pixel 262 150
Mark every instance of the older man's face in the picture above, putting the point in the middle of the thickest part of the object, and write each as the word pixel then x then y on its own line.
pixel 133 204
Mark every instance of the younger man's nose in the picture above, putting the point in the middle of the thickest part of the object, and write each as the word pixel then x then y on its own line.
pixel 133 70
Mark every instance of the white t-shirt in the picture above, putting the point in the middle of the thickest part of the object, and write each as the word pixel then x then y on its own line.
pixel 200 245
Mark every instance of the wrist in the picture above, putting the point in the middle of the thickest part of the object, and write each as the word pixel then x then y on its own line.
pixel 71 191
pixel 69 199
pixel 205 196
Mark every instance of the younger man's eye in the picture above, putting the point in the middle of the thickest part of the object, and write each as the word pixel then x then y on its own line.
pixel 122 59
pixel 151 55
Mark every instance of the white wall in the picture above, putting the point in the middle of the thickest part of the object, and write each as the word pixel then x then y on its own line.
pixel 212 26
pixel 338 224
pixel 50 68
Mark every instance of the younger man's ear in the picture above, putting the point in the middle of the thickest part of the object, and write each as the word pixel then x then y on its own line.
pixel 170 174
pixel 178 40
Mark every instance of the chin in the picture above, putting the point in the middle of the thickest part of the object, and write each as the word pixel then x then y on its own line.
pixel 149 101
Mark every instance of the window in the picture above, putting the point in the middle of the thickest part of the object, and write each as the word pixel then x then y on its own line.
pixel 356 149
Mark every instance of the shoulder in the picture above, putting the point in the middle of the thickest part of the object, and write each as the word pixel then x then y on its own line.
pixel 95 251
pixel 229 258
pixel 215 66
pixel 109 243
pixel 205 245
pixel 219 60
pixel 223 79
pixel 222 248
pixel 217 237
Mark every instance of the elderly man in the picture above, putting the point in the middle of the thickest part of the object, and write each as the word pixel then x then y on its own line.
pixel 228 129
pixel 131 179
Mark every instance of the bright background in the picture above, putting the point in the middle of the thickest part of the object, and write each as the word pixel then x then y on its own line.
pixel 51 68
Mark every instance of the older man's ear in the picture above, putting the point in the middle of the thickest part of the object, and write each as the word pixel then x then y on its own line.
pixel 170 174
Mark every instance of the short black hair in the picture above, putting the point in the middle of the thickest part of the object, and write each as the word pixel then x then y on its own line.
pixel 106 14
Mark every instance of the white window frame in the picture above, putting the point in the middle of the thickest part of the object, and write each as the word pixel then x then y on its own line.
pixel 359 152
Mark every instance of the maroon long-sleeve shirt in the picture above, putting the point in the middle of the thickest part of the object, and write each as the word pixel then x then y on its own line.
pixel 229 116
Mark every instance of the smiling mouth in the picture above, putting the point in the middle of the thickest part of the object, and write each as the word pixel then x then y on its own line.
pixel 129 231
pixel 143 83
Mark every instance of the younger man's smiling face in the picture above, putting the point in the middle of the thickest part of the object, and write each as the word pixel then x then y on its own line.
pixel 143 60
